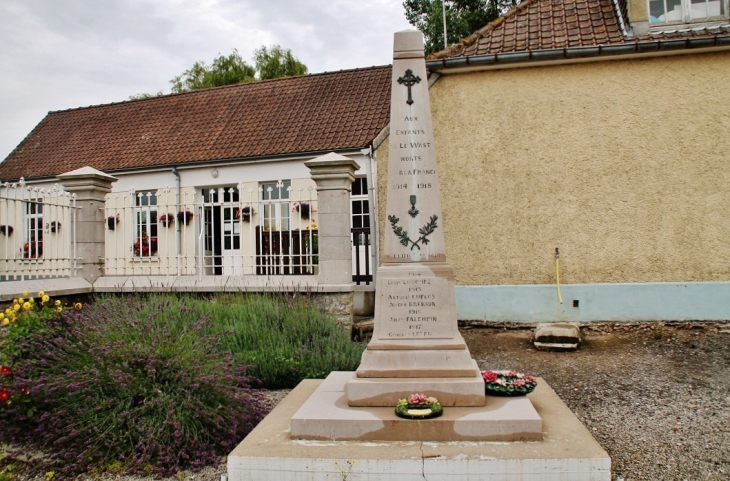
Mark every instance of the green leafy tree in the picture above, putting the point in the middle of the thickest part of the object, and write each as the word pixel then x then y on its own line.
pixel 463 17
pixel 275 62
pixel 225 70
pixel 271 62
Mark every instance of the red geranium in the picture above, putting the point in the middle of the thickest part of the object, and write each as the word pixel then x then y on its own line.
pixel 4 394
pixel 5 371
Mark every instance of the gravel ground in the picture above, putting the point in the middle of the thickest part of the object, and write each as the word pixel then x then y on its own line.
pixel 657 398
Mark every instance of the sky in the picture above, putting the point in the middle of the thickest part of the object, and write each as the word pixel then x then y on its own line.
pixel 61 54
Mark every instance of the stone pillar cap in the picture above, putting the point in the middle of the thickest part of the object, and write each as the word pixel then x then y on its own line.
pixel 331 159
pixel 86 172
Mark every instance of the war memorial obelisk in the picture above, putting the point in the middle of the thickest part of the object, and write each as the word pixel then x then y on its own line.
pixel 416 348
pixel 416 344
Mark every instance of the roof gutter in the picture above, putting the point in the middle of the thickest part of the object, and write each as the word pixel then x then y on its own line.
pixel 196 164
pixel 577 54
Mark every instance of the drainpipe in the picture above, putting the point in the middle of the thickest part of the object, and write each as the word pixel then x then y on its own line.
pixel 177 224
pixel 372 195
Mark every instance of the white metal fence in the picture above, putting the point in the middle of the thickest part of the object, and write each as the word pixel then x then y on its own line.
pixel 244 229
pixel 37 232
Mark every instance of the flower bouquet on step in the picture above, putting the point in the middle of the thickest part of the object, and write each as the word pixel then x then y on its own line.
pixel 418 406
pixel 508 383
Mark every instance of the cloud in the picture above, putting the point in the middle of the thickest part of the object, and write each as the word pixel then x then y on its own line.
pixel 65 54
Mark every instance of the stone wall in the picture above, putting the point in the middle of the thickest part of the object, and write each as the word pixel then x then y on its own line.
pixel 337 304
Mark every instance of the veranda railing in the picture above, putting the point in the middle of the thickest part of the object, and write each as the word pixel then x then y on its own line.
pixel 37 232
pixel 235 230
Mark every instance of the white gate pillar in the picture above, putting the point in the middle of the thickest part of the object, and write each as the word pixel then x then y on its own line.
pixel 334 174
pixel 90 186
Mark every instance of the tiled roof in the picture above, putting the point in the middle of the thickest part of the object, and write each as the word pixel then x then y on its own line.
pixel 536 25
pixel 543 25
pixel 311 113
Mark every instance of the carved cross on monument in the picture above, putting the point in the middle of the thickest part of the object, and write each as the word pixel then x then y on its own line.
pixel 409 80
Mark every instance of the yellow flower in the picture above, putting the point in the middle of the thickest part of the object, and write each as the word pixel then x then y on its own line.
pixel 57 303
pixel 59 309
pixel 16 307
pixel 25 294
pixel 8 311
pixel 78 306
pixel 41 293
pixel 45 298
pixel 26 306
pixel 20 300
pixel 31 300
pixel 15 301
pixel 6 321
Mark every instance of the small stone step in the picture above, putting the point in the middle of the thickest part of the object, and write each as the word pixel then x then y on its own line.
pixel 556 336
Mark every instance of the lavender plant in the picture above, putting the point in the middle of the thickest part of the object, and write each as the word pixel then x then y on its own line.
pixel 140 384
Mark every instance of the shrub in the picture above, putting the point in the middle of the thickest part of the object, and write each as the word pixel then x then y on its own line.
pixel 283 337
pixel 286 338
pixel 143 385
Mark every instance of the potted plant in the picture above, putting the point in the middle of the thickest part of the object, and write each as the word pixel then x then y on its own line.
pixel 54 226
pixel 166 220
pixel 508 383
pixel 145 247
pixel 184 217
pixel 32 249
pixel 303 209
pixel 418 406
pixel 6 229
pixel 244 213
pixel 112 221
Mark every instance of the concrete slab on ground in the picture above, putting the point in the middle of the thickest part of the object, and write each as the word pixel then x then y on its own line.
pixel 567 451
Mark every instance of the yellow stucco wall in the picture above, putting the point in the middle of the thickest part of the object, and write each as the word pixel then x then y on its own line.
pixel 623 165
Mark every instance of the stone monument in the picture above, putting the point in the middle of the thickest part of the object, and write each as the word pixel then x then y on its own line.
pixel 416 347
pixel 416 344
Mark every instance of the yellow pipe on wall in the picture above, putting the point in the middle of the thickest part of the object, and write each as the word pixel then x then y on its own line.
pixel 557 273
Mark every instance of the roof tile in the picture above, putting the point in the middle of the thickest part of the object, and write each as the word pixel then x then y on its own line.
pixel 549 24
pixel 309 113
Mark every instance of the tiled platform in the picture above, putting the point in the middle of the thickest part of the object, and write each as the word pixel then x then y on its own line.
pixel 566 452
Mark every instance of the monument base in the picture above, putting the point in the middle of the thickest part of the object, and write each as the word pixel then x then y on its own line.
pixel 566 452
pixel 455 391
pixel 327 416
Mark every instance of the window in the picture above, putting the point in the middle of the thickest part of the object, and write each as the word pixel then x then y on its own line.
pixel 33 246
pixel 276 212
pixel 360 205
pixel 231 219
pixel 145 226
pixel 685 11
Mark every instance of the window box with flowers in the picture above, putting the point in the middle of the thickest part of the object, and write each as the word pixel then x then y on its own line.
pixel 303 208
pixel 184 217
pixel 166 220
pixel 146 247
pixel 54 226
pixel 244 213
pixel 33 249
pixel 113 221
